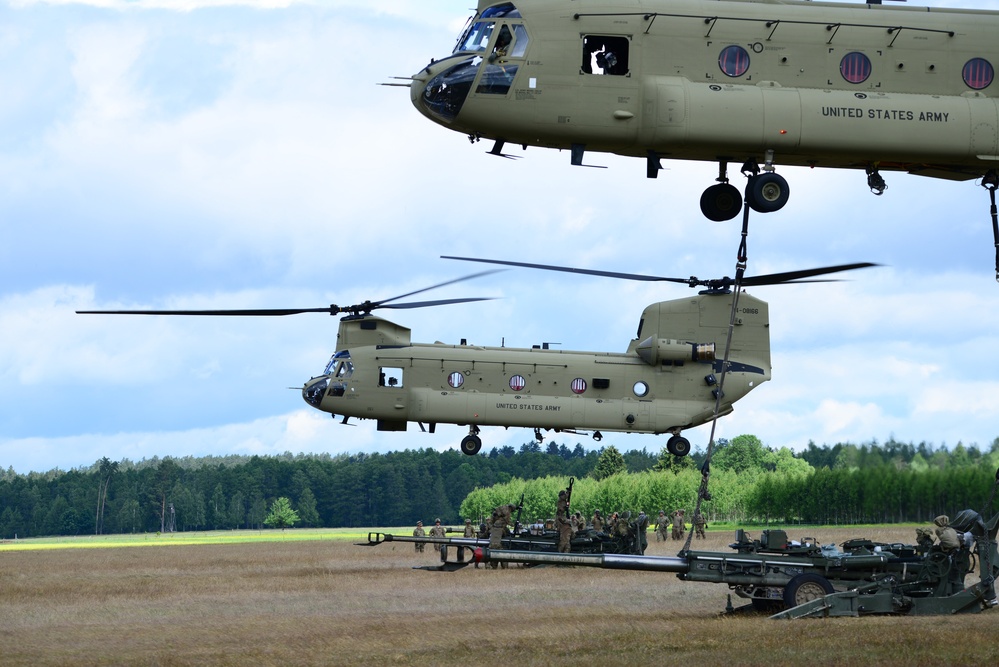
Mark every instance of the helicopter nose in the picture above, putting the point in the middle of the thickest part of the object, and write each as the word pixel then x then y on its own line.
pixel 314 390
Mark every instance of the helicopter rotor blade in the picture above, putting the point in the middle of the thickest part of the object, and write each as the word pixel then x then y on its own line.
pixel 242 312
pixel 790 277
pixel 797 276
pixel 332 309
pixel 381 304
pixel 569 269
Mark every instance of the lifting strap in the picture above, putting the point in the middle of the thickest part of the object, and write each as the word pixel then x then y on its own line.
pixel 740 271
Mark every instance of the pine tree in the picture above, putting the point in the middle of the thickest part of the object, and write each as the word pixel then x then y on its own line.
pixel 610 463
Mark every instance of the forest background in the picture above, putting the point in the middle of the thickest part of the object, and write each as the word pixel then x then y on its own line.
pixel 893 482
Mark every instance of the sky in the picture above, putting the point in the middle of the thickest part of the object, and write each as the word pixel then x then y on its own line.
pixel 233 153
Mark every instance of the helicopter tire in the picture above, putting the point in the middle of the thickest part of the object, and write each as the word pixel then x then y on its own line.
pixel 805 588
pixel 721 202
pixel 678 446
pixel 767 192
pixel 470 445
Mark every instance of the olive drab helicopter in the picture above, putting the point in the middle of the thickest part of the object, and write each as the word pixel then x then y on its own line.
pixel 665 382
pixel 756 83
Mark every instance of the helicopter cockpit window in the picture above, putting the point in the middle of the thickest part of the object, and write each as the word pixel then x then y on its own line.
pixel 497 76
pixel 477 38
pixel 390 377
pixel 604 54
pixel 340 365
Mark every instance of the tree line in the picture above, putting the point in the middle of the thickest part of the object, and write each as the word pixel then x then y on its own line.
pixel 844 483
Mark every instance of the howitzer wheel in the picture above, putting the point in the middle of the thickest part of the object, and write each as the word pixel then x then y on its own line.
pixel 805 588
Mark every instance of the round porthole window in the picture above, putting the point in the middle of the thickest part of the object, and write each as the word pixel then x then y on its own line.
pixel 855 67
pixel 578 386
pixel 978 73
pixel 734 61
pixel 641 389
pixel 517 382
pixel 456 379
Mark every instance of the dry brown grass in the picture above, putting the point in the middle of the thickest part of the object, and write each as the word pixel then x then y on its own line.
pixel 323 602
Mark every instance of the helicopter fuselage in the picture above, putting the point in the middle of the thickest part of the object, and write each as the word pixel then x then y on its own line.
pixel 789 82
pixel 665 382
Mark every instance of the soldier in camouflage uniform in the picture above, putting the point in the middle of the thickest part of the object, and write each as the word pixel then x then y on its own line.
pixel 498 525
pixel 419 532
pixel 679 526
pixel 437 531
pixel 598 521
pixel 662 524
pixel 564 526
pixel 643 527
pixel 699 525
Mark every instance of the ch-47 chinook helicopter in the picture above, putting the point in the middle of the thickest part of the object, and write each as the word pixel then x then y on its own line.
pixel 666 381
pixel 757 83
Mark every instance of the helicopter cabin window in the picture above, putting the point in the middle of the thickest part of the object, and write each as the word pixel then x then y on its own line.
pixel 578 386
pixel 456 379
pixel 734 61
pixel 605 54
pixel 389 376
pixel 978 73
pixel 855 67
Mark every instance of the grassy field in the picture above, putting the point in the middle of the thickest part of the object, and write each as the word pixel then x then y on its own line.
pixel 312 597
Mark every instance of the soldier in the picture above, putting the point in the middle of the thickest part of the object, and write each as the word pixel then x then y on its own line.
pixel 598 521
pixel 418 532
pixel 564 533
pixel 623 532
pixel 679 527
pixel 579 523
pixel 437 531
pixel 612 524
pixel 699 525
pixel 469 532
pixel 662 523
pixel 563 504
pixel 498 524
pixel 643 527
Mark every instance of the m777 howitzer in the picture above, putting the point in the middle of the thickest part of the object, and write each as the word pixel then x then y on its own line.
pixel 808 580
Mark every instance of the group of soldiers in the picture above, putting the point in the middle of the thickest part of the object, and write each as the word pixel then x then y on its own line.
pixel 677 525
pixel 437 531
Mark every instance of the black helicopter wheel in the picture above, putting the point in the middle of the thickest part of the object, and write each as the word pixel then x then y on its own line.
pixel 471 444
pixel 678 446
pixel 805 588
pixel 767 192
pixel 721 202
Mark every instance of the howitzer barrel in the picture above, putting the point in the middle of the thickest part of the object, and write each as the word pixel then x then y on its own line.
pixel 378 538
pixel 605 561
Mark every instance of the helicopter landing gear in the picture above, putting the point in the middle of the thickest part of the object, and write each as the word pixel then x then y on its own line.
pixel 722 200
pixel 768 191
pixel 678 446
pixel 471 443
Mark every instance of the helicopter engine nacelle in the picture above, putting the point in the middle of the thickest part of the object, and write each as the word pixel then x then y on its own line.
pixel 654 351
